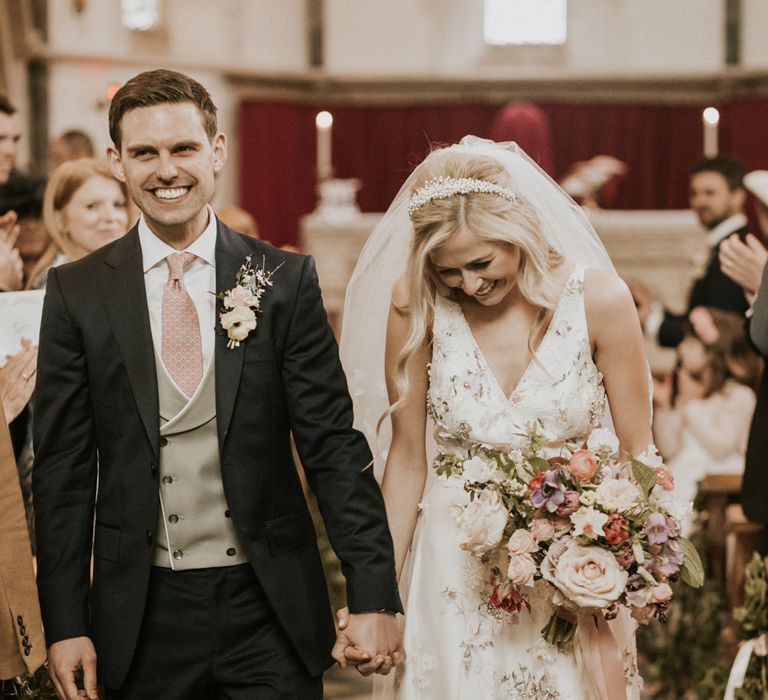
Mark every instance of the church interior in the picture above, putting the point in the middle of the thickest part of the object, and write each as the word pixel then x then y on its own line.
pixel 328 105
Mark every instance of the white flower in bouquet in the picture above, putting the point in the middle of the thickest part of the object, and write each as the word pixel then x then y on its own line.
pixel 650 457
pixel 521 569
pixel 481 523
pixel 477 470
pixel 588 577
pixel 588 522
pixel 617 495
pixel 666 500
pixel 604 441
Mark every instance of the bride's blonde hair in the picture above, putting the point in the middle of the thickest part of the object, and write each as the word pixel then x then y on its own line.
pixel 488 216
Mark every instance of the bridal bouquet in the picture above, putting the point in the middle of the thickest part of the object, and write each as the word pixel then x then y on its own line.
pixel 602 530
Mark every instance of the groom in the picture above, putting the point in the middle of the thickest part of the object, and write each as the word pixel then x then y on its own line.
pixel 163 445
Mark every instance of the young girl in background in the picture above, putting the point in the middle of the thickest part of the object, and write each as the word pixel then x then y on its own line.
pixel 702 426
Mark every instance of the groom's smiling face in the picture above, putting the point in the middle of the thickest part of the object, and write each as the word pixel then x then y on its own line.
pixel 168 163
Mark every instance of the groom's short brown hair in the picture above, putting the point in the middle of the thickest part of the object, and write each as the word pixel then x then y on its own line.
pixel 157 87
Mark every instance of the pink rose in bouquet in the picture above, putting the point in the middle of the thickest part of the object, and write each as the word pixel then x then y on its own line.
pixel 583 464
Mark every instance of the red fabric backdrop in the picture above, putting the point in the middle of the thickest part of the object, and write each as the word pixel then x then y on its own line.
pixel 381 145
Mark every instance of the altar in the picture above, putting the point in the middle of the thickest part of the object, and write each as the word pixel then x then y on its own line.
pixel 665 250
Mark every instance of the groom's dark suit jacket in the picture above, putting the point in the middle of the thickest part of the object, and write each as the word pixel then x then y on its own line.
pixel 97 404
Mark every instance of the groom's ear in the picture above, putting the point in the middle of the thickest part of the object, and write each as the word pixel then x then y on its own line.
pixel 219 145
pixel 116 163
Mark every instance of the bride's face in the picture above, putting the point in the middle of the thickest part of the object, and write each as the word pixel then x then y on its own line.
pixel 484 270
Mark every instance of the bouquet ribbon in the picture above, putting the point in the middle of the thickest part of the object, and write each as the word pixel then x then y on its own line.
pixel 600 658
pixel 740 665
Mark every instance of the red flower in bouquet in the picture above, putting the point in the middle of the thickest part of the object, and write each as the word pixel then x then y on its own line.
pixel 616 530
pixel 506 598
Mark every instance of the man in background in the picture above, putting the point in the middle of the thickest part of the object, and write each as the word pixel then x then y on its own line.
pixel 70 145
pixel 717 198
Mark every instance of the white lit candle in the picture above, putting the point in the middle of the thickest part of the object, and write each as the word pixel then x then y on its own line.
pixel 711 118
pixel 324 122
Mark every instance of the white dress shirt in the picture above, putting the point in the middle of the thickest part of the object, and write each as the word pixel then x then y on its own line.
pixel 199 279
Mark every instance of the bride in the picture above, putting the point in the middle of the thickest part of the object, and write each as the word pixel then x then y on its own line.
pixel 503 310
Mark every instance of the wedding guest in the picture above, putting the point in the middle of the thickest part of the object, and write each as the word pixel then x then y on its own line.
pixel 744 261
pixel 70 145
pixel 717 198
pixel 703 428
pixel 84 207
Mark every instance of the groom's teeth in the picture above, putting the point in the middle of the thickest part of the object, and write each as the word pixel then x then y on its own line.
pixel 174 193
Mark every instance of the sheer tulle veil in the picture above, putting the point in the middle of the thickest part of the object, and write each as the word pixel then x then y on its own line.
pixel 383 260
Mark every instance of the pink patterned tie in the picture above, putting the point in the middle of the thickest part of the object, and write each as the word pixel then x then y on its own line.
pixel 181 350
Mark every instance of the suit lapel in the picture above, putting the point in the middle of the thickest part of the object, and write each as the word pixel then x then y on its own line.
pixel 231 252
pixel 125 299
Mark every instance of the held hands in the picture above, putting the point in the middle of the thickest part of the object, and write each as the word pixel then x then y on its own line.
pixel 65 660
pixel 369 641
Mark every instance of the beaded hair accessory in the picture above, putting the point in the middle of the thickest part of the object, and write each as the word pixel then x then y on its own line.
pixel 444 187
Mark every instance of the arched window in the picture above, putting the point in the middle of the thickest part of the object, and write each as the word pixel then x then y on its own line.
pixel 525 22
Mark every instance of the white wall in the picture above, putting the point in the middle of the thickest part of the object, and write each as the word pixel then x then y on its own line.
pixel 754 47
pixel 446 36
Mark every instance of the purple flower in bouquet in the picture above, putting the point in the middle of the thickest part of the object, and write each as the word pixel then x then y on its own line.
pixel 667 561
pixel 570 505
pixel 625 556
pixel 656 528
pixel 547 492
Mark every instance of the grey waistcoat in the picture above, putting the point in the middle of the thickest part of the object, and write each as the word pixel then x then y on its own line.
pixel 194 529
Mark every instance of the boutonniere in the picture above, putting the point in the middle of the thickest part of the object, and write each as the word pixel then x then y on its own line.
pixel 243 301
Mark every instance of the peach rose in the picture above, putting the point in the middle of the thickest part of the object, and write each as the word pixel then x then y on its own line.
pixel 589 577
pixel 583 464
pixel 542 530
pixel 521 569
pixel 239 296
pixel 521 542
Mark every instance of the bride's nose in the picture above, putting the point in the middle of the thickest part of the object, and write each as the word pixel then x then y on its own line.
pixel 471 282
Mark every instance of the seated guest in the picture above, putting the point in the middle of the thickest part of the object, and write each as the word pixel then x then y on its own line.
pixel 22 647
pixel 84 207
pixel 702 427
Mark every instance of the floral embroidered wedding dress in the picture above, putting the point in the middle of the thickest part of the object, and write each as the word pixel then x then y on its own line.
pixel 456 648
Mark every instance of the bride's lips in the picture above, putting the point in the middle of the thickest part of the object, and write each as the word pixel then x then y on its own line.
pixel 487 290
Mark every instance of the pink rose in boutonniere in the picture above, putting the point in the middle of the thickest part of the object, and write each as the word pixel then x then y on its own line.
pixel 243 301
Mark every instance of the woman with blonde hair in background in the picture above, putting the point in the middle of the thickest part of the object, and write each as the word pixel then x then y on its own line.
pixel 84 207
pixel 503 311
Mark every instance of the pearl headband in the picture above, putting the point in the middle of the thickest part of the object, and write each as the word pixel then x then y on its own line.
pixel 445 187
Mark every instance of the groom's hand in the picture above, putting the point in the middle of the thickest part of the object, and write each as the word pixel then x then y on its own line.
pixel 370 641
pixel 65 659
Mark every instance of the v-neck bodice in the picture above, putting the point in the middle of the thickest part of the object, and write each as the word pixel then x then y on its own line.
pixel 560 389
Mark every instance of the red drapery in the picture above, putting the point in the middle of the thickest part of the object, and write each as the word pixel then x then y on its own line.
pixel 381 145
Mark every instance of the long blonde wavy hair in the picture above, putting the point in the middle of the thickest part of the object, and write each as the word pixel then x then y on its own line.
pixel 487 215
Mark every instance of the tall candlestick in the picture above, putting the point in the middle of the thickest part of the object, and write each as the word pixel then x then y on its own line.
pixel 711 118
pixel 324 122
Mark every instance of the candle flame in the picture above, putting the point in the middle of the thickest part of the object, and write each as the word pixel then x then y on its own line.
pixel 324 120
pixel 711 115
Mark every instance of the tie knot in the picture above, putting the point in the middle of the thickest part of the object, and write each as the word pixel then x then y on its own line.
pixel 178 264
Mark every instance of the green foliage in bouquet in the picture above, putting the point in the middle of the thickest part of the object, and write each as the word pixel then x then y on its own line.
pixel 37 686
pixel 752 620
